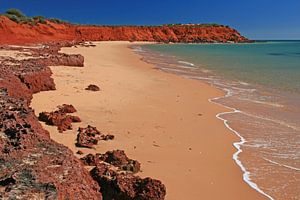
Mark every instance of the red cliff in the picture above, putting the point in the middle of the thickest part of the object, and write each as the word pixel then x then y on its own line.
pixel 20 33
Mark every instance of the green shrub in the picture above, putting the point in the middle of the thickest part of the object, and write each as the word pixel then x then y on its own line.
pixel 209 25
pixel 55 20
pixel 15 12
pixel 40 19
pixel 18 17
pixel 12 17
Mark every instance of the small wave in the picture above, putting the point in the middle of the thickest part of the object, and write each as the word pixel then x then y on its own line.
pixel 138 49
pixel 199 78
pixel 184 67
pixel 186 63
pixel 257 145
pixel 237 145
pixel 282 165
pixel 205 71
pixel 221 85
pixel 264 103
pixel 273 120
pixel 243 83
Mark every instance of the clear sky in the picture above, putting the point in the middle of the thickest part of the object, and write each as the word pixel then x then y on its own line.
pixel 257 19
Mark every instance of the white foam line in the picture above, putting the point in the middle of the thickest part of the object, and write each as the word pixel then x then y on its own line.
pixel 186 63
pixel 237 145
pixel 272 120
pixel 282 165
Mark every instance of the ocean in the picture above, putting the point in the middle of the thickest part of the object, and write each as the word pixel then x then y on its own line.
pixel 262 85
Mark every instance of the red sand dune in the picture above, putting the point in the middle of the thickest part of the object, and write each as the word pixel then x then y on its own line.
pixel 14 33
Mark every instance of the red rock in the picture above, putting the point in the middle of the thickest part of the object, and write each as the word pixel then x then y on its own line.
pixel 93 88
pixel 107 137
pixel 86 137
pixel 79 152
pixel 91 160
pixel 51 32
pixel 67 108
pixel 117 158
pixel 126 186
pixel 60 118
pixel 89 136
pixel 31 164
pixel 38 80
pixel 59 59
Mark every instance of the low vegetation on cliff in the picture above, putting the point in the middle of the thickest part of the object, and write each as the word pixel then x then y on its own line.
pixel 20 18
pixel 40 29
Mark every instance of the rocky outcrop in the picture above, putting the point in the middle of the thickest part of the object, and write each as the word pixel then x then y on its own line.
pixel 39 80
pixel 11 33
pixel 60 118
pixel 66 108
pixel 126 186
pixel 34 73
pixel 117 158
pixel 87 137
pixel 90 136
pixel 60 59
pixel 32 166
pixel 114 172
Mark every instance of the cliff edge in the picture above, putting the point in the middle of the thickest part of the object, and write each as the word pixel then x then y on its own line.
pixel 12 32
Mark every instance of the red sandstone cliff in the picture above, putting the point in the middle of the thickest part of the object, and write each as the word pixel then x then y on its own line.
pixel 14 33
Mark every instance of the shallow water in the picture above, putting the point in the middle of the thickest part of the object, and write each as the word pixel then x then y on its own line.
pixel 262 81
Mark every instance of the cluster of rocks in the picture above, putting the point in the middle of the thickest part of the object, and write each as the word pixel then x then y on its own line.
pixel 115 174
pixel 117 158
pixel 89 136
pixel 34 72
pixel 60 117
pixel 32 166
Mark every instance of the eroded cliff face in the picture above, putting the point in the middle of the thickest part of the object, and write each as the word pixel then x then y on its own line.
pixel 32 166
pixel 14 33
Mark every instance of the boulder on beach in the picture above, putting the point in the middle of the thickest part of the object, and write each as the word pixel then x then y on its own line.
pixel 93 88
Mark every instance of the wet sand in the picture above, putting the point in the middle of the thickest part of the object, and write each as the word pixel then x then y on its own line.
pixel 164 121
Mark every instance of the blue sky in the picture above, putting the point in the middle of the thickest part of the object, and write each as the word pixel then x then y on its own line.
pixel 257 19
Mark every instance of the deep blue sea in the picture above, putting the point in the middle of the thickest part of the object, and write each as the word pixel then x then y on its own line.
pixel 262 85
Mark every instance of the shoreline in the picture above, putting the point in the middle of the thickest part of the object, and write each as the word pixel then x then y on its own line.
pixel 258 117
pixel 237 145
pixel 227 93
pixel 48 100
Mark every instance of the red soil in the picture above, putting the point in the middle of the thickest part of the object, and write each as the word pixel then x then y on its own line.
pixel 14 33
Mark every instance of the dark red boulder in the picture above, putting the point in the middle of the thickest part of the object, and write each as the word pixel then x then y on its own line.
pixel 126 186
pixel 89 136
pixel 93 88
pixel 60 118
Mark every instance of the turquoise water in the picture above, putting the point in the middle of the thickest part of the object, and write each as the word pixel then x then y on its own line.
pixel 273 64
pixel 262 85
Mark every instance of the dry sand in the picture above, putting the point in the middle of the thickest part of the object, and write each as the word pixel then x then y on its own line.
pixel 162 120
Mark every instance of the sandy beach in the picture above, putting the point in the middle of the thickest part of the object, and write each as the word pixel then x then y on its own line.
pixel 162 120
